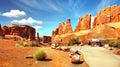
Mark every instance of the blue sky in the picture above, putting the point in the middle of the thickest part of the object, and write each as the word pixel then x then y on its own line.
pixel 45 15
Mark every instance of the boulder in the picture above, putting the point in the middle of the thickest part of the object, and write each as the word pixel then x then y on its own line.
pixel 117 51
pixel 75 59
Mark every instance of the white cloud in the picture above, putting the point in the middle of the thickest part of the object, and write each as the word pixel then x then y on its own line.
pixel 37 27
pixel 14 14
pixel 27 21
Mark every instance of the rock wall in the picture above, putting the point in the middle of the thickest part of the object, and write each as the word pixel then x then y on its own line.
pixel 23 31
pixel 107 15
pixel 63 28
pixel 100 30
pixel 84 23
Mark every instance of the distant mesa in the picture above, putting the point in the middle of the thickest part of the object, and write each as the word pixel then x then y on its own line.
pixel 23 31
pixel 105 23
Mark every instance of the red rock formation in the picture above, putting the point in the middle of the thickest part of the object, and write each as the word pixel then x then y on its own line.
pixel 63 28
pixel 84 23
pixel 78 28
pixel 60 28
pixel 1 32
pixel 20 30
pixel 110 14
pixel 67 27
pixel 55 32
pixel 103 32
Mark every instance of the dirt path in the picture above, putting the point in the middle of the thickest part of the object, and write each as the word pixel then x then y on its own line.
pixel 99 57
pixel 11 56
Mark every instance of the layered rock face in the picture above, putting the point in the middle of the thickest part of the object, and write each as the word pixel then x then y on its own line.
pixel 110 14
pixel 84 23
pixel 63 28
pixel 67 28
pixel 23 31
pixel 78 27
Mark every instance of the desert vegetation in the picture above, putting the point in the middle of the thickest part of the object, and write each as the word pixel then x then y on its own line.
pixel 73 41
pixel 114 43
pixel 40 55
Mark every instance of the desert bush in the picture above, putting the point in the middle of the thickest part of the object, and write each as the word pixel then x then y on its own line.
pixel 34 43
pixel 114 43
pixel 19 43
pixel 40 55
pixel 74 41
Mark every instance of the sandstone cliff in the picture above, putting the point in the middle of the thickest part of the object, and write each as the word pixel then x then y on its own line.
pixel 23 31
pixel 63 28
pixel 107 15
pixel 84 23
pixel 106 25
pixel 78 27
pixel 67 28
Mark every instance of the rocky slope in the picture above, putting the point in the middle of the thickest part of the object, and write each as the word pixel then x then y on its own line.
pixel 23 31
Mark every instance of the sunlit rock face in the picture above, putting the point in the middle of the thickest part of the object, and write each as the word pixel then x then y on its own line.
pixel 107 15
pixel 106 25
pixel 84 23
pixel 23 31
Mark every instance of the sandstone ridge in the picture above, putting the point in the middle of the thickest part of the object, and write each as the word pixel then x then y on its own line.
pixel 105 23
pixel 23 31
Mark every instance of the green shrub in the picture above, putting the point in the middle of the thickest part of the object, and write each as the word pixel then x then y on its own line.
pixel 40 55
pixel 20 43
pixel 34 43
pixel 114 43
pixel 74 41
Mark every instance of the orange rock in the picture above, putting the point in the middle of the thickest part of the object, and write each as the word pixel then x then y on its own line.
pixel 84 23
pixel 78 26
pixel 24 31
pixel 67 27
pixel 110 14
pixel 60 28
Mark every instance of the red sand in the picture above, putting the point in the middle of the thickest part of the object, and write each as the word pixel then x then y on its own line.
pixel 12 56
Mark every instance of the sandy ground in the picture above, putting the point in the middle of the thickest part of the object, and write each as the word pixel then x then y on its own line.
pixel 11 56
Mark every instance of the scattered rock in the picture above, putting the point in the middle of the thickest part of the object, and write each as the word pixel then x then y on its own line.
pixel 117 51
pixel 65 49
pixel 75 59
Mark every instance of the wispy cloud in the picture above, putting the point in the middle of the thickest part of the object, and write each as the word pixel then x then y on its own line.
pixel 27 21
pixel 37 27
pixel 45 5
pixel 14 14
pixel 104 3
